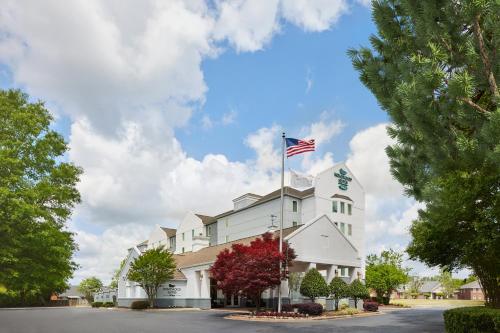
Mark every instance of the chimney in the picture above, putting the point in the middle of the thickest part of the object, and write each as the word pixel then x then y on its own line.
pixel 200 242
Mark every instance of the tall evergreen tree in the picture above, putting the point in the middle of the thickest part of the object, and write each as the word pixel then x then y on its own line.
pixel 37 194
pixel 433 68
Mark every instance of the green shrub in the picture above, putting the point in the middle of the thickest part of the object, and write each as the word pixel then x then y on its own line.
pixel 139 305
pixel 476 319
pixel 313 285
pixel 108 304
pixel 348 311
pixel 97 304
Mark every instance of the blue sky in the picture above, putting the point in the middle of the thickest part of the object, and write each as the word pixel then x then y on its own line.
pixel 178 106
pixel 269 86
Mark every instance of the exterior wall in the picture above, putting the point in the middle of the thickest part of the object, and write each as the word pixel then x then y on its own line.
pixel 256 220
pixel 326 185
pixel 331 247
pixel 188 224
pixel 157 238
pixel 471 294
pixel 213 233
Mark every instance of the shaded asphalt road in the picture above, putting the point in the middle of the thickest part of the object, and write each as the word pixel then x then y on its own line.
pixel 88 320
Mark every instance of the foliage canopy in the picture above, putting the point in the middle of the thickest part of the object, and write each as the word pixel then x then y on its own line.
pixel 37 195
pixel 433 67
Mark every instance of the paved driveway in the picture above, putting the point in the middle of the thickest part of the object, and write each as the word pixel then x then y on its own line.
pixel 88 320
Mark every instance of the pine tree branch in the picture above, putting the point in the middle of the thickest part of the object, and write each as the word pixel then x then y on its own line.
pixel 484 56
pixel 469 102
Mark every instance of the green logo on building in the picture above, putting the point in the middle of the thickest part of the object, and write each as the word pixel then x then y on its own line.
pixel 343 179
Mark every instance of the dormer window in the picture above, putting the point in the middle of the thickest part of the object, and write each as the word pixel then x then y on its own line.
pixel 335 208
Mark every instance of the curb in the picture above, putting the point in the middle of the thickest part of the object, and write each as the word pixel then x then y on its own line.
pixel 298 320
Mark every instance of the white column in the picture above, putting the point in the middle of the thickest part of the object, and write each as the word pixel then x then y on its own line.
pixel 284 288
pixel 330 273
pixel 205 284
pixel 354 273
pixel 311 265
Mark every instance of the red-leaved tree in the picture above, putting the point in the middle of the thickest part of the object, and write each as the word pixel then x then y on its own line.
pixel 251 269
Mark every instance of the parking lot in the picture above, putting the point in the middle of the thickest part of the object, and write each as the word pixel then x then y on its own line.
pixel 88 320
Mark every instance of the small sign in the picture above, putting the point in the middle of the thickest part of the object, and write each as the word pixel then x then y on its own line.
pixel 172 290
pixel 343 179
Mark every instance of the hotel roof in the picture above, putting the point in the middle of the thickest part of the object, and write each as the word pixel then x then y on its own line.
pixel 208 254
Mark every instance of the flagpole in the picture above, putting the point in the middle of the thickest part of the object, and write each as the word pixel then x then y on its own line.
pixel 281 214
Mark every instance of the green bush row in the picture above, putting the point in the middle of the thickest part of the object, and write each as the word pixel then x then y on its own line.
pixel 102 304
pixel 476 319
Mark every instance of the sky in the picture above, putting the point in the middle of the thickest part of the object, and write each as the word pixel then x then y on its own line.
pixel 176 106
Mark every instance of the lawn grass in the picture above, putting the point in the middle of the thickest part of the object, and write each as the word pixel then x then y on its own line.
pixel 437 302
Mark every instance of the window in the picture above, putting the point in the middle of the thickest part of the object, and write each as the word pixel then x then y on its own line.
pixel 183 249
pixel 227 238
pixel 183 238
pixel 349 229
pixel 192 233
pixel 294 206
pixel 342 227
pixel 342 208
pixel 346 271
pixel 172 242
pixel 294 223
pixel 334 207
pixel 208 230
pixel 349 209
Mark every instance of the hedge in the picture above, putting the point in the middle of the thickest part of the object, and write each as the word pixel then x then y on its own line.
pixel 139 305
pixel 475 319
pixel 312 309
pixel 96 304
pixel 370 306
pixel 108 304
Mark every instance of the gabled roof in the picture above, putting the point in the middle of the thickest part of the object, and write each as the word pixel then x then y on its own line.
pixel 429 286
pixel 143 243
pixel 72 291
pixel 205 219
pixel 287 190
pixel 471 285
pixel 169 231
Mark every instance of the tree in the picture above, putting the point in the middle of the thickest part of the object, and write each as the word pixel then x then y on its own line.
pixel 116 275
pixel 89 286
pixel 150 270
pixel 37 195
pixel 357 290
pixel 414 286
pixel 251 269
pixel 385 273
pixel 314 285
pixel 434 68
pixel 448 283
pixel 338 289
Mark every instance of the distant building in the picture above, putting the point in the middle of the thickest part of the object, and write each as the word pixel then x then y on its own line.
pixel 72 295
pixel 431 289
pixel 471 291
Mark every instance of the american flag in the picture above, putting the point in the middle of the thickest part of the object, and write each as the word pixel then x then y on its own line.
pixel 296 146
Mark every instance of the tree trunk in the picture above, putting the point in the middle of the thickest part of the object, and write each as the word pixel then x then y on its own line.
pixel 355 302
pixel 336 304
pixel 490 284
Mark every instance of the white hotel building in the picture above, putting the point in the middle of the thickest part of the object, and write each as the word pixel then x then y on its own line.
pixel 324 224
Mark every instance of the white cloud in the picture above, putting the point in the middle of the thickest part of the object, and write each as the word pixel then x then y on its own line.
pixel 247 24
pixel 314 15
pixel 206 122
pixel 229 117
pixel 370 163
pixel 100 255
